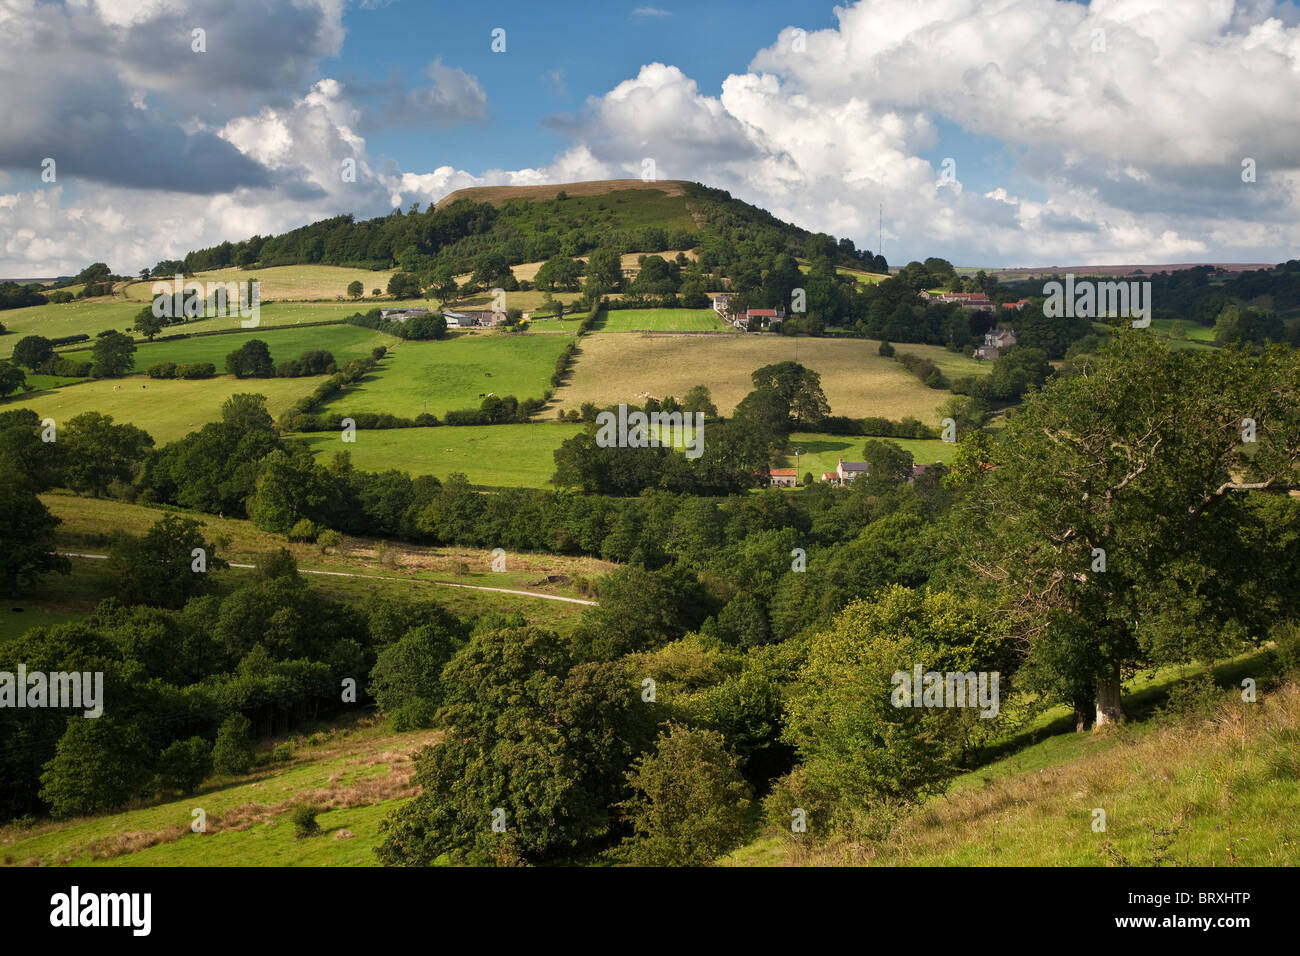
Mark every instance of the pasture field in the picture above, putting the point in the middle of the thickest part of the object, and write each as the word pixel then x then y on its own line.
pixel 344 342
pixel 857 381
pixel 664 320
pixel 279 282
pixel 91 316
pixel 500 456
pixel 820 452
pixel 167 409
pixel 439 376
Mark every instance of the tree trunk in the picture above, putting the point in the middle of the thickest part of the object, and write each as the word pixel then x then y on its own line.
pixel 1084 711
pixel 1109 709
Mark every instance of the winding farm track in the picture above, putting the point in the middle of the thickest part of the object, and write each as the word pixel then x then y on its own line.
pixel 384 577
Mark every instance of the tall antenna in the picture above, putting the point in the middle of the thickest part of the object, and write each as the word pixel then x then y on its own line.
pixel 880 232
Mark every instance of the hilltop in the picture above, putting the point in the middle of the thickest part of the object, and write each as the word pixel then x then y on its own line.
pixel 596 187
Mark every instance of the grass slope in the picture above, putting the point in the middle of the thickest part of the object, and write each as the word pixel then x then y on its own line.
pixel 1219 786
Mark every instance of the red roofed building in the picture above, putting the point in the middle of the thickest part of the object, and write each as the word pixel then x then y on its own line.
pixel 783 477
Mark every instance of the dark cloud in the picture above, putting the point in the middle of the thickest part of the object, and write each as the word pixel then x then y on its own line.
pixel 452 98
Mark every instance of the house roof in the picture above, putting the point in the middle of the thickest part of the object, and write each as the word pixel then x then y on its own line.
pixel 783 473
pixel 855 466
pixel 765 313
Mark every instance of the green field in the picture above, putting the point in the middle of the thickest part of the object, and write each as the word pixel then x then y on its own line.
pixel 493 455
pixel 821 452
pixel 344 342
pixel 439 376
pixel 93 316
pixel 663 320
pixel 167 409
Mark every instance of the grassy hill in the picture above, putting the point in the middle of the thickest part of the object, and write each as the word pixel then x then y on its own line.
pixel 1211 781
pixel 1198 778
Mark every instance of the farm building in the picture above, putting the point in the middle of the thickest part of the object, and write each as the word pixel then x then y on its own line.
pixel 757 318
pixel 849 470
pixel 996 342
pixel 783 477
pixel 967 300
pixel 472 319
pixel 401 315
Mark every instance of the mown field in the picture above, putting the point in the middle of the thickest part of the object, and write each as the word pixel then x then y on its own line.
pixel 492 455
pixel 280 282
pixel 856 379
pixel 438 376
pixel 167 409
pixel 664 320
pixel 344 342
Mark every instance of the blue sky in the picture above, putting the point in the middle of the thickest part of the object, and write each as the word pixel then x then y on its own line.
pixel 592 46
